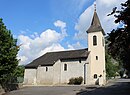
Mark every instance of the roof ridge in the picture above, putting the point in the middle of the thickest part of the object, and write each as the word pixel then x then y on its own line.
pixel 67 50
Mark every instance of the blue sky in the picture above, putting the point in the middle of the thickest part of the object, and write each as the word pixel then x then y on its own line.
pixel 53 25
pixel 39 15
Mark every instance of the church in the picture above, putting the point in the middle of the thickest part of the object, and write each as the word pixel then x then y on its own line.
pixel 55 68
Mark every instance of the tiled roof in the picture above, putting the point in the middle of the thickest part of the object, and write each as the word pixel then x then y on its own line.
pixel 50 58
pixel 95 25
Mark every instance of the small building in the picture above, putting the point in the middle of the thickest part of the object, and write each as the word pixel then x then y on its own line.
pixel 58 67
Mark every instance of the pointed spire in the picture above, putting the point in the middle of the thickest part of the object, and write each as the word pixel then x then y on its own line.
pixel 95 24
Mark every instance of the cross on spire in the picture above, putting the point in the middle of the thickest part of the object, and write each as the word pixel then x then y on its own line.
pixel 95 6
pixel 95 24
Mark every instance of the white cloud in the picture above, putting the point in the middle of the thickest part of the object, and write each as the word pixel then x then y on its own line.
pixel 104 7
pixel 48 40
pixel 24 31
pixel 62 26
pixel 70 47
pixel 59 23
pixel 53 47
pixel 34 35
pixel 23 59
pixel 77 45
pixel 78 4
pixel 83 23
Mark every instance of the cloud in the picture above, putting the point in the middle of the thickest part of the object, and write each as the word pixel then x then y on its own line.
pixel 36 45
pixel 62 26
pixel 24 31
pixel 59 23
pixel 34 35
pixel 83 23
pixel 104 7
pixel 77 45
pixel 53 47
pixel 78 4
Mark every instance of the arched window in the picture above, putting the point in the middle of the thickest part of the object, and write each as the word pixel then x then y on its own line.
pixel 65 67
pixel 102 41
pixel 46 69
pixel 79 60
pixel 96 57
pixel 94 40
pixel 95 76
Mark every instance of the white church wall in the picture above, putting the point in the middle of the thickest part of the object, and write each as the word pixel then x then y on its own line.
pixel 97 65
pixel 74 69
pixel 88 71
pixel 30 76
pixel 57 72
pixel 45 75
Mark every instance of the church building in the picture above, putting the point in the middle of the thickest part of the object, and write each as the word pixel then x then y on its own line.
pixel 55 68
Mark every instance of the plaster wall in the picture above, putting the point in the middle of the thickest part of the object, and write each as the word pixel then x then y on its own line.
pixel 30 76
pixel 44 75
pixel 97 66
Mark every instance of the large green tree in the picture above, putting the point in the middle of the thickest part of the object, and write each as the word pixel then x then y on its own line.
pixel 112 67
pixel 119 46
pixel 8 54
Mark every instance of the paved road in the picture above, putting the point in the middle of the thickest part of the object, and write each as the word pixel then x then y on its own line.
pixel 48 90
pixel 117 87
pixel 120 87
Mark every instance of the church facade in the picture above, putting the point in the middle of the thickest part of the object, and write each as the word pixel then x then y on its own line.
pixel 58 67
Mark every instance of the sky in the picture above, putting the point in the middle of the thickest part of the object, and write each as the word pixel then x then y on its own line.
pixel 53 25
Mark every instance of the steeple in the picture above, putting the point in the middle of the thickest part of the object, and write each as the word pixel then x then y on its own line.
pixel 95 24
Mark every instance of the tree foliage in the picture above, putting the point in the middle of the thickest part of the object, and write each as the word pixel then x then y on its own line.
pixel 19 71
pixel 112 67
pixel 8 54
pixel 119 46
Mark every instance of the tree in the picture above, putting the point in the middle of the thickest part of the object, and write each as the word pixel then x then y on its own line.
pixel 19 71
pixel 112 66
pixel 17 75
pixel 8 54
pixel 119 46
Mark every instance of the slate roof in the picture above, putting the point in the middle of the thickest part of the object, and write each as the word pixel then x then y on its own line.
pixel 95 25
pixel 50 58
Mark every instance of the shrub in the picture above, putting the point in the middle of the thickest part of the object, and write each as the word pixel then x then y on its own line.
pixel 77 80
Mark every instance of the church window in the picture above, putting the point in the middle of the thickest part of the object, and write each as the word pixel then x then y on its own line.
pixel 46 69
pixel 94 40
pixel 79 60
pixel 96 57
pixel 102 41
pixel 65 67
pixel 95 76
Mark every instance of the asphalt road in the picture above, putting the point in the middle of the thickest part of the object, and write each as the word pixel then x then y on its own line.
pixel 117 87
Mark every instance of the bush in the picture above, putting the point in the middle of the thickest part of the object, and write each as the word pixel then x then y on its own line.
pixel 77 80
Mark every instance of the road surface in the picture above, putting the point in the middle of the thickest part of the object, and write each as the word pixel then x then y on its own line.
pixel 117 87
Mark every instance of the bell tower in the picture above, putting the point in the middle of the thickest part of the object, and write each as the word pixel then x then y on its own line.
pixel 96 46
